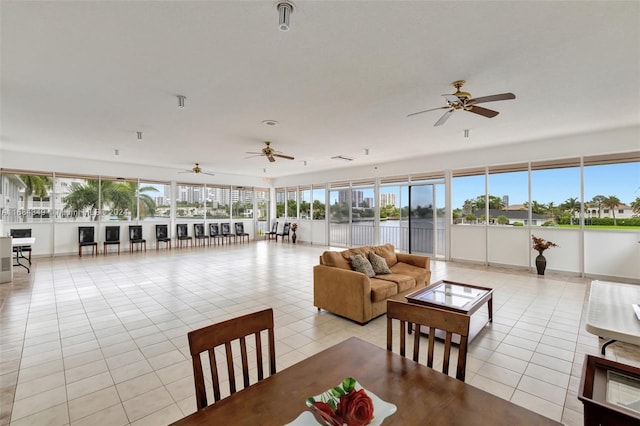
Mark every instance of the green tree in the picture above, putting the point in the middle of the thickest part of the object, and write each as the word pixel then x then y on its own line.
pixel 612 202
pixel 34 185
pixel 598 201
pixel 120 197
pixel 470 218
pixel 318 209
pixel 503 220
pixel 635 205
pixel 479 203
pixel 571 205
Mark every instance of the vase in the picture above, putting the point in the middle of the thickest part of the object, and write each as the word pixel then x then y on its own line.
pixel 541 264
pixel 293 237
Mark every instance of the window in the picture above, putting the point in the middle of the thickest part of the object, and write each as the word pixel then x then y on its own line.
pixel 217 202
pixel 555 191
pixel 262 204
pixel 305 202
pixel 77 197
pixel 611 184
pixel 242 203
pixel 508 195
pixel 280 202
pixel 318 207
pixel 25 197
pixel 155 200
pixel 468 196
pixel 190 201
pixel 292 203
pixel 119 199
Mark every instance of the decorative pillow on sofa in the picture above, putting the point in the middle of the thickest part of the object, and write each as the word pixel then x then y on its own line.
pixel 359 263
pixel 378 264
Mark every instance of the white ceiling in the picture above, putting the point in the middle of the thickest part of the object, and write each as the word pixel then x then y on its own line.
pixel 80 78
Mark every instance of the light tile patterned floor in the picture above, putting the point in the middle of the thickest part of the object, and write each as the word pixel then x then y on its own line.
pixel 102 340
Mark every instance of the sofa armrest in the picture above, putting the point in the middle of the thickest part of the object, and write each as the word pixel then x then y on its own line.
pixel 343 292
pixel 415 260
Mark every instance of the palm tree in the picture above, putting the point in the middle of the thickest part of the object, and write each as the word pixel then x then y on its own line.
pixel 34 185
pixel 120 197
pixel 612 202
pixel 635 205
pixel 572 205
pixel 598 201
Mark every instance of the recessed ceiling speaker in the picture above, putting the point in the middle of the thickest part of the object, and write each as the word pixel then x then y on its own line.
pixel 285 9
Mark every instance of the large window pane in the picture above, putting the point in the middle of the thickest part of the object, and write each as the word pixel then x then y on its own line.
pixel 218 202
pixel 118 198
pixel 292 203
pixel 78 197
pixel 362 215
pixel 340 200
pixel 555 192
pixel 305 202
pixel 319 197
pixel 190 201
pixel 280 202
pixel 155 201
pixel 508 197
pixel 612 194
pixel 26 197
pixel 467 194
pixel 242 203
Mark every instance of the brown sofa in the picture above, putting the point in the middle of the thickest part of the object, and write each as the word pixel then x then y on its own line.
pixel 345 292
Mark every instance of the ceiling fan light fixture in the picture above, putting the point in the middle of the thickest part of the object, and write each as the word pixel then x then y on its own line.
pixel 181 101
pixel 285 9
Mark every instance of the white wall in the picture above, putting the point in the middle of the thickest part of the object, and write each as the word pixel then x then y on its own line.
pixel 614 253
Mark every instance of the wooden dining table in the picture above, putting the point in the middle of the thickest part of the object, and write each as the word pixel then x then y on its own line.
pixel 422 395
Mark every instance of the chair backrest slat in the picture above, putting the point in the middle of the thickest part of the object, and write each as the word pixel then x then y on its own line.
pixel 206 339
pixel 433 319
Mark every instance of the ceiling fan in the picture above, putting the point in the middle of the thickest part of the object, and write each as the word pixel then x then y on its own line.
pixel 270 153
pixel 464 101
pixel 198 171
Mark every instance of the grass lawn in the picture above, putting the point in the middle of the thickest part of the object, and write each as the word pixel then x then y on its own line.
pixel 616 228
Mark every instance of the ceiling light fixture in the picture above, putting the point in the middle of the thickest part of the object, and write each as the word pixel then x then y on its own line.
pixel 117 151
pixel 305 162
pixel 466 133
pixel 181 101
pixel 366 151
pixel 270 122
pixel 342 157
pixel 285 9
pixel 139 135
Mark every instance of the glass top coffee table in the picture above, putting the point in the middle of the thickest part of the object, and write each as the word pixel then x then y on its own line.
pixel 458 297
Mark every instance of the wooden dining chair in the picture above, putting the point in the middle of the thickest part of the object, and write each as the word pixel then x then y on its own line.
pixel 431 319
pixel 235 330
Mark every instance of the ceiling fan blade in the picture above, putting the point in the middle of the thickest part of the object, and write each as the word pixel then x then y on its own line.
pixel 492 98
pixel 271 159
pixel 444 118
pixel 489 113
pixel 207 173
pixel 255 155
pixel 251 152
pixel 427 110
pixel 288 157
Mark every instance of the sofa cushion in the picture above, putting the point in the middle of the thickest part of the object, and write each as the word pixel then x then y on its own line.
pixel 388 252
pixel 335 259
pixel 359 263
pixel 379 264
pixel 382 290
pixel 404 282
pixel 419 274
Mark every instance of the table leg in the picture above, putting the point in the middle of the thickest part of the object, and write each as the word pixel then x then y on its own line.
pixel 490 305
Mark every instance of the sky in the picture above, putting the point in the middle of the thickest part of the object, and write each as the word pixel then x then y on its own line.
pixel 554 185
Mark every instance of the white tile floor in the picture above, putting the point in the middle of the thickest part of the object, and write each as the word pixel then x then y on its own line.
pixel 102 340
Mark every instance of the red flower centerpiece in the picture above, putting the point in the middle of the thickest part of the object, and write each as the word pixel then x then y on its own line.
pixel 344 405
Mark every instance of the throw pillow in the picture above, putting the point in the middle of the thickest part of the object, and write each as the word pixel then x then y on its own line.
pixel 359 263
pixel 378 264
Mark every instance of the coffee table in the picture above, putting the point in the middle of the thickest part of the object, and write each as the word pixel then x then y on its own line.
pixel 457 297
